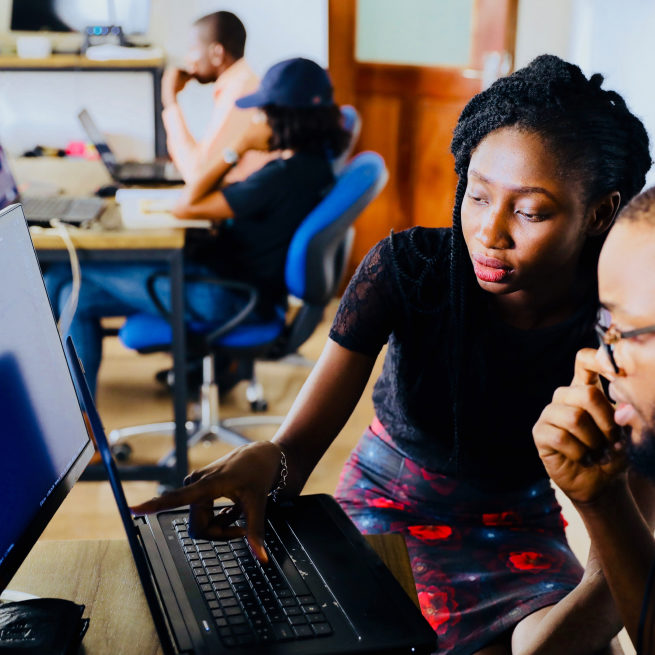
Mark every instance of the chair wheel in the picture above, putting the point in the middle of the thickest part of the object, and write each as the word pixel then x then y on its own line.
pixel 122 452
pixel 259 405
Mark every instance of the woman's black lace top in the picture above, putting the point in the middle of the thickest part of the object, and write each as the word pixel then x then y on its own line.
pixel 400 295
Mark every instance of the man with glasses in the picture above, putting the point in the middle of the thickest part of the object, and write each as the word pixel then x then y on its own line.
pixel 593 445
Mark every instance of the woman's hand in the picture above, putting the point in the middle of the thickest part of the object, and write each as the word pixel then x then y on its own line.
pixel 576 436
pixel 245 476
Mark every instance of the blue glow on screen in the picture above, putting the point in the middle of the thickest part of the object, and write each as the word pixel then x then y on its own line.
pixel 41 427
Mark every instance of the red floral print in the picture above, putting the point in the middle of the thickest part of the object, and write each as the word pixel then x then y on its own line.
pixel 529 561
pixel 430 532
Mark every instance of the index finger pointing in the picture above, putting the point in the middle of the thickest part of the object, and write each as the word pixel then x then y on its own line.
pixel 192 493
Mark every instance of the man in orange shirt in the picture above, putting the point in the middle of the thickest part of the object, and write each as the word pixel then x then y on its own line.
pixel 215 55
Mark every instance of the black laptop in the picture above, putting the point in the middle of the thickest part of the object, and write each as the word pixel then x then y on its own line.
pixel 40 210
pixel 324 591
pixel 152 172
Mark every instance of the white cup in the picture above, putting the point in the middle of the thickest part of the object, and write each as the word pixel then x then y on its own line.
pixel 33 47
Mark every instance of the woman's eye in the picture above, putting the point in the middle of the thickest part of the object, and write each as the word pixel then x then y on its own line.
pixel 476 197
pixel 532 216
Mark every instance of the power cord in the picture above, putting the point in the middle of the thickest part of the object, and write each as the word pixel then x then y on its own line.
pixel 68 313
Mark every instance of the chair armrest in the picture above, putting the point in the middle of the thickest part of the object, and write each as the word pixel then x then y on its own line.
pixel 249 291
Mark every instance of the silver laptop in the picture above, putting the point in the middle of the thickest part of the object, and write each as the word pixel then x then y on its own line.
pixel 153 172
pixel 39 210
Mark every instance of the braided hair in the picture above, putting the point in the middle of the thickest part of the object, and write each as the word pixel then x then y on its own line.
pixel 594 137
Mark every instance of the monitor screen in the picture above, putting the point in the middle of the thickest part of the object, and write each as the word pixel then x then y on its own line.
pixel 76 15
pixel 44 444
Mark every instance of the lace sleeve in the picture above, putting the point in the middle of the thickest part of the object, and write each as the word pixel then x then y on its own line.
pixel 364 319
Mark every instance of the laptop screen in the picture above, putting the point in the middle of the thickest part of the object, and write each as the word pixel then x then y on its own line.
pixel 44 444
pixel 8 188
pixel 97 138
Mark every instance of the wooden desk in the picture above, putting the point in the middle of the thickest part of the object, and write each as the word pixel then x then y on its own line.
pixel 79 63
pixel 102 576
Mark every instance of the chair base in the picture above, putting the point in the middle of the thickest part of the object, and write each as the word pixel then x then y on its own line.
pixel 210 426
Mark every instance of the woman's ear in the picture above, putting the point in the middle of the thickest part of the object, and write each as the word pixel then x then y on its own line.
pixel 603 212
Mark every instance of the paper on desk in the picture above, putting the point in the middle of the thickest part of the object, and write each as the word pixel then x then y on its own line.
pixel 150 209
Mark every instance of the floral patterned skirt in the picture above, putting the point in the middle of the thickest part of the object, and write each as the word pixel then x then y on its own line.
pixel 481 561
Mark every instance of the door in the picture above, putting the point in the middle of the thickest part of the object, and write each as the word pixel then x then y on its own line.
pixel 410 67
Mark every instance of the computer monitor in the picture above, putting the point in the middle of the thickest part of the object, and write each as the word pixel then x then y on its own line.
pixel 76 15
pixel 44 443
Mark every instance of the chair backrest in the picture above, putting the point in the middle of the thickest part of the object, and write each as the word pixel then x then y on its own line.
pixel 352 122
pixel 316 257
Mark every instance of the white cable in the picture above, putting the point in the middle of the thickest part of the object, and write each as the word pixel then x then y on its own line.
pixel 68 313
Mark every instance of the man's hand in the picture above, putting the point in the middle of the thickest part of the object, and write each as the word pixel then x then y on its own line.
pixel 172 82
pixel 576 436
pixel 245 476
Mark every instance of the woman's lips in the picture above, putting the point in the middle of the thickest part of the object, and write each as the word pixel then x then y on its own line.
pixel 490 269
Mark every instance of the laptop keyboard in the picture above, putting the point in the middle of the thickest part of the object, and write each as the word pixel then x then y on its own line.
pixel 47 207
pixel 250 602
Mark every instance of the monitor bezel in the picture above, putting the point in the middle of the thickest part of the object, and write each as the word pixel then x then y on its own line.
pixel 43 516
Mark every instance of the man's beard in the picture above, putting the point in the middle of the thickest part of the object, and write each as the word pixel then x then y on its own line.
pixel 641 456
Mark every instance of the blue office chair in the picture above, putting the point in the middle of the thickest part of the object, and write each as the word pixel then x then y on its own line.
pixel 315 264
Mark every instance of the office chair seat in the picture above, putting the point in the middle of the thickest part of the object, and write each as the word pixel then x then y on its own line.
pixel 144 332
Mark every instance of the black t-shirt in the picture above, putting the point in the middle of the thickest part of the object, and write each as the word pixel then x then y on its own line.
pixel 399 294
pixel 268 207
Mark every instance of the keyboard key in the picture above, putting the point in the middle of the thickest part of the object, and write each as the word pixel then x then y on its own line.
pixel 244 640
pixel 232 611
pixel 316 618
pixel 220 622
pixel 241 629
pixel 292 611
pixel 303 631
pixel 311 609
pixel 237 619
pixel 322 629
pixel 282 631
pixel 297 620
pixel 225 632
pixel 307 599
pixel 230 642
pixel 229 602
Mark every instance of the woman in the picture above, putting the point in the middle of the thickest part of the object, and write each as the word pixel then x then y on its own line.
pixel 483 322
pixel 256 218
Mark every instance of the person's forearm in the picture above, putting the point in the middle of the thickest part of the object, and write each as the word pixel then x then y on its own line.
pixel 583 622
pixel 204 179
pixel 182 147
pixel 626 550
pixel 321 409
pixel 211 207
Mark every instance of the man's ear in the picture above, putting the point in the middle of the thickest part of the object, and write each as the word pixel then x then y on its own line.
pixel 216 54
pixel 603 212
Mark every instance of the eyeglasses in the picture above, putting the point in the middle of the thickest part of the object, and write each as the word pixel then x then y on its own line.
pixel 610 335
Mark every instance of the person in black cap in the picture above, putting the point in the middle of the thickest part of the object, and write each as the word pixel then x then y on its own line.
pixel 255 219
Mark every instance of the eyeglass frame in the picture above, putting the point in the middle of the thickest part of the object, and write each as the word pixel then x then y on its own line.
pixel 609 336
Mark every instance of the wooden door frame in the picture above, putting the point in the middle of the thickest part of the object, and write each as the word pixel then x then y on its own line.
pixel 348 74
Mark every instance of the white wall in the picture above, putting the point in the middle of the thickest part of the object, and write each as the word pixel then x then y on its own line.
pixel 41 108
pixel 601 36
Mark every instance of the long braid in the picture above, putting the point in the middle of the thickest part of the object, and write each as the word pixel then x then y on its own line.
pixel 596 139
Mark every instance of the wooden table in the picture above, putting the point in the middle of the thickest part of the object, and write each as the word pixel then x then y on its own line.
pixel 102 576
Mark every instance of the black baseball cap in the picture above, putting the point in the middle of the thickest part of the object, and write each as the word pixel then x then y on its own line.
pixel 292 83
